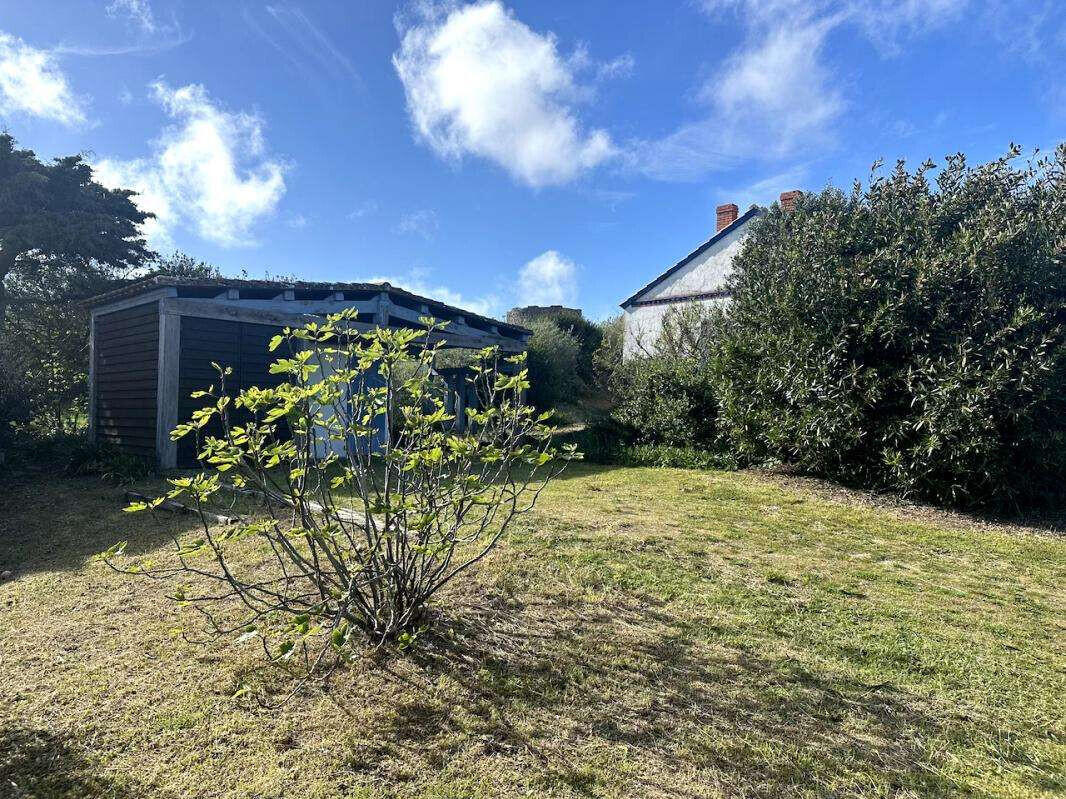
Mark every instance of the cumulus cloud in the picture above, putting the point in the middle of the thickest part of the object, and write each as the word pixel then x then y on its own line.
pixel 209 171
pixel 549 279
pixel 32 83
pixel 480 82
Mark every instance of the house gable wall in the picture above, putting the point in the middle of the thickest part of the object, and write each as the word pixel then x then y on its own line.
pixel 705 273
pixel 702 280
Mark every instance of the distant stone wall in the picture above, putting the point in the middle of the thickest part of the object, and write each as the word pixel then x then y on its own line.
pixel 523 316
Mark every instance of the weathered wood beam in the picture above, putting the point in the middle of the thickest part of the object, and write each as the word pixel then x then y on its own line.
pixel 176 507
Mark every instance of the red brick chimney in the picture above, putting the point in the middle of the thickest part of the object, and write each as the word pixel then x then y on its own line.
pixel 788 200
pixel 727 215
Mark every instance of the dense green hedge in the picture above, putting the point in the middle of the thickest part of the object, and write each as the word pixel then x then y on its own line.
pixel 552 359
pixel 666 400
pixel 566 357
pixel 908 335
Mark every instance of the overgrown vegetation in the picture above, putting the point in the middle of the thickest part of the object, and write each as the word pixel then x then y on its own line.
pixel 63 237
pixel 378 496
pixel 570 363
pixel 553 356
pixel 669 397
pixel 908 335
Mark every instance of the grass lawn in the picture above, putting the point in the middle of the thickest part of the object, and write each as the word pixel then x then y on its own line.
pixel 655 633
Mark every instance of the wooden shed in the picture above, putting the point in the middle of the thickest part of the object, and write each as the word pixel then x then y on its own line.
pixel 152 344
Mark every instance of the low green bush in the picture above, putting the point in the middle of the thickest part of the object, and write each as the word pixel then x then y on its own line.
pixel 607 442
pixel 73 454
pixel 600 441
pixel 665 456
pixel 667 400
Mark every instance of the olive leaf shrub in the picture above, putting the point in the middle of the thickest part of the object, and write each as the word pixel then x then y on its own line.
pixel 908 335
pixel 362 529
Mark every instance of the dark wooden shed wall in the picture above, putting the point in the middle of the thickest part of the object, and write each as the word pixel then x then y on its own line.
pixel 126 373
pixel 241 345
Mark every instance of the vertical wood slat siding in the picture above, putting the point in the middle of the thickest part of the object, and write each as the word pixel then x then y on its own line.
pixel 240 345
pixel 125 378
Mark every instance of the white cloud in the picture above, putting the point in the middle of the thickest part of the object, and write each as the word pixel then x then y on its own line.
pixel 765 190
pixel 887 22
pixel 209 171
pixel 621 67
pixel 1036 33
pixel 770 98
pixel 422 223
pixel 297 221
pixel 778 87
pixel 777 95
pixel 480 82
pixel 139 12
pixel 549 279
pixel 309 49
pixel 32 83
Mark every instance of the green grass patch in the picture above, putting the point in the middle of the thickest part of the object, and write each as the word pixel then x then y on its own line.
pixel 646 632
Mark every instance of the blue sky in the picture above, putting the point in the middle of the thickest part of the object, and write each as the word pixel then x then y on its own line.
pixel 495 154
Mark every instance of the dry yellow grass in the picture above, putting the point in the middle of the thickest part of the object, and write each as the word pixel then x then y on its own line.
pixel 646 633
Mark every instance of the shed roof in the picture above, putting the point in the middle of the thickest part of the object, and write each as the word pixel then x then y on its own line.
pixel 740 221
pixel 194 286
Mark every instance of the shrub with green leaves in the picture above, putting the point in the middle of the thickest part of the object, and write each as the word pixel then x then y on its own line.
pixel 607 357
pixel 908 335
pixel 364 528
pixel 667 400
pixel 668 396
pixel 554 365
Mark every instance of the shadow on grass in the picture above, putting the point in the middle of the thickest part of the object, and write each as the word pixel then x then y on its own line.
pixel 40 764
pixel 624 698
pixel 60 523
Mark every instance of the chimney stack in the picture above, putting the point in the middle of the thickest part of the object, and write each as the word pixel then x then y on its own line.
pixel 727 215
pixel 788 200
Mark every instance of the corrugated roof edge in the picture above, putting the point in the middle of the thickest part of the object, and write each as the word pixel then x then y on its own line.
pixel 165 281
pixel 752 212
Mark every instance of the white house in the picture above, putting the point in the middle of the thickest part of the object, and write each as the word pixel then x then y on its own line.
pixel 699 278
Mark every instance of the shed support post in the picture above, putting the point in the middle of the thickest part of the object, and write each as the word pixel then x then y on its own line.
pixel 460 404
pixel 381 318
pixel 92 378
pixel 167 389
